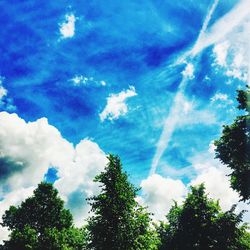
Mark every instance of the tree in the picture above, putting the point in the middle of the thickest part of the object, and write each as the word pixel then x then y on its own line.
pixel 118 222
pixel 200 224
pixel 41 222
pixel 233 147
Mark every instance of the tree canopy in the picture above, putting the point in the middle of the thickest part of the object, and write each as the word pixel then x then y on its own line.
pixel 118 222
pixel 200 224
pixel 42 222
pixel 233 147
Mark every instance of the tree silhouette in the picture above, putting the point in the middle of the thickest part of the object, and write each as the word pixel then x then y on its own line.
pixel 118 222
pixel 233 148
pixel 200 224
pixel 42 222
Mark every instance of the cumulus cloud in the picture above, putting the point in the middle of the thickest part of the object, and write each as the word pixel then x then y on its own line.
pixel 67 28
pixel 217 185
pixel 116 104
pixel 215 177
pixel 12 198
pixel 158 193
pixel 29 149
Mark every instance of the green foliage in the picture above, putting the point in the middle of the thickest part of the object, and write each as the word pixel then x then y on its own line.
pixel 118 222
pixel 200 224
pixel 42 222
pixel 25 239
pixel 66 239
pixel 245 240
pixel 233 148
pixel 43 210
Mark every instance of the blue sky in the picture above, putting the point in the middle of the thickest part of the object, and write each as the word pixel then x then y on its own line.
pixel 151 81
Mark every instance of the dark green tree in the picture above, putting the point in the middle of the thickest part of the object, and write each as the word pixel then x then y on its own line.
pixel 233 147
pixel 200 224
pixel 41 222
pixel 118 222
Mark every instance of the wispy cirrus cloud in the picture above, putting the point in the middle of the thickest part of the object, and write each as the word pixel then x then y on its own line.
pixel 226 56
pixel 5 101
pixel 3 91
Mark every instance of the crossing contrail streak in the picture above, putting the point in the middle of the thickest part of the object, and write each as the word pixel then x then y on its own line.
pixel 205 24
pixel 175 113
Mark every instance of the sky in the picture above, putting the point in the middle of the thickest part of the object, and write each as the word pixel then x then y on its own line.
pixel 152 81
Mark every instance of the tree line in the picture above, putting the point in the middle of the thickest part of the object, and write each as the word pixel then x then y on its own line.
pixel 119 222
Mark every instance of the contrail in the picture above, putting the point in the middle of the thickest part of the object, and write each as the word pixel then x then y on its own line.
pixel 175 112
pixel 205 25
pixel 169 126
pixel 222 27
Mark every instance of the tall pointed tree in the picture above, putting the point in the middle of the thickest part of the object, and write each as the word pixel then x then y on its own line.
pixel 233 148
pixel 118 222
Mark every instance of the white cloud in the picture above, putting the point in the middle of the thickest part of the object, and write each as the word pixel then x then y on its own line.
pixel 219 97
pixel 221 101
pixel 217 186
pixel 229 35
pixel 237 73
pixel 188 71
pixel 211 147
pixel 215 177
pixel 116 104
pixel 103 83
pixel 158 193
pixel 3 91
pixel 12 198
pixel 220 51
pixel 29 149
pixel 232 57
pixel 79 80
pixel 67 28
pixel 5 101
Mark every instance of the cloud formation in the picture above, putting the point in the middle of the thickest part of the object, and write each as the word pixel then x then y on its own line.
pixel 3 91
pixel 29 149
pixel 79 80
pixel 158 193
pixel 5 100
pixel 221 28
pixel 116 104
pixel 67 28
